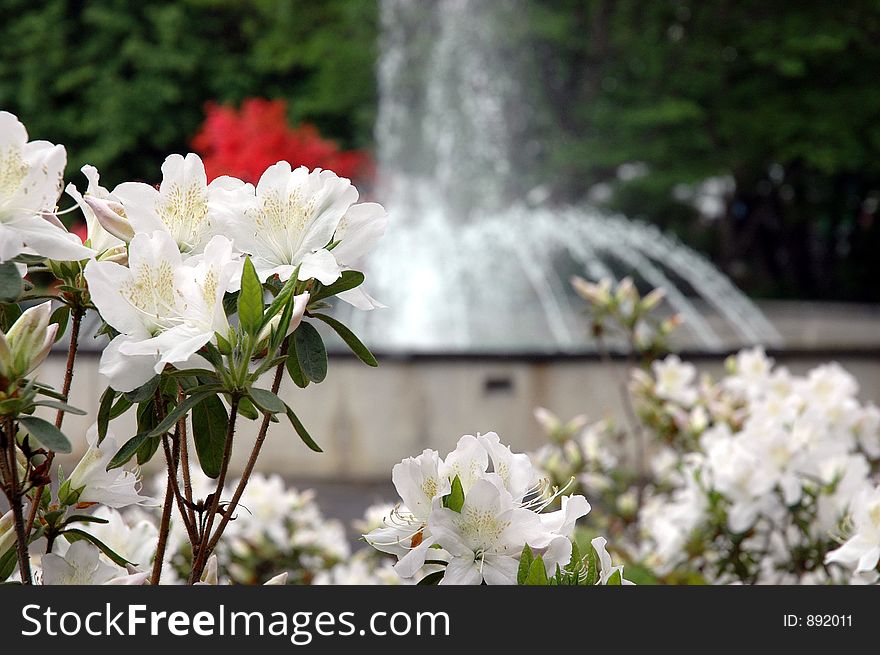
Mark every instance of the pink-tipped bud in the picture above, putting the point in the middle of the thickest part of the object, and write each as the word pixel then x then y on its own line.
pixel 111 216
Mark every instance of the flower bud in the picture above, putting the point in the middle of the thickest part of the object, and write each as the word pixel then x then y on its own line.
pixel 117 254
pixel 28 342
pixel 111 216
pixel 597 294
pixel 7 532
pixel 653 299
pixel 300 303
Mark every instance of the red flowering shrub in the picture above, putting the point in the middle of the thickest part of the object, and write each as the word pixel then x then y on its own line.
pixel 244 142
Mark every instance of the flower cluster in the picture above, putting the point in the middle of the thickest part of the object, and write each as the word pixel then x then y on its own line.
pixel 203 288
pixel 186 242
pixel 478 515
pixel 765 470
pixel 620 312
pixel 277 529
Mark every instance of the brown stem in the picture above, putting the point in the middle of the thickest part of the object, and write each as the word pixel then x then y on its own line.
pixel 252 460
pixel 184 463
pixel 77 315
pixel 13 493
pixel 172 457
pixel 205 548
pixel 76 322
pixel 164 527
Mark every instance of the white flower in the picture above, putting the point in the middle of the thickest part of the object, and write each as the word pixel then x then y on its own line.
pixel 862 551
pixel 185 206
pixel 485 539
pixel 164 309
pixel 515 469
pixel 100 207
pixel 292 221
pixel 360 570
pixel 469 461
pixel 80 565
pixel 606 569
pixel 28 342
pixel 356 235
pixel 675 380
pixel 115 488
pixel 134 540
pixel 419 482
pixel 30 182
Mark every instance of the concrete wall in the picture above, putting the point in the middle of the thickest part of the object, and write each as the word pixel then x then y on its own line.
pixel 368 419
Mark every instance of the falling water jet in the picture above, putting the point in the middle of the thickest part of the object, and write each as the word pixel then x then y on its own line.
pixel 469 263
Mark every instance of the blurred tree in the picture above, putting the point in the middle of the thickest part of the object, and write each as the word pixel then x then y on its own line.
pixel 778 100
pixel 122 84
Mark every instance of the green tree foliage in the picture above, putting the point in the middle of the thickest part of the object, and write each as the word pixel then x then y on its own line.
pixel 782 97
pixel 124 83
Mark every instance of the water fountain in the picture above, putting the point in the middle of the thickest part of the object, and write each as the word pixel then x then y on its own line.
pixel 475 259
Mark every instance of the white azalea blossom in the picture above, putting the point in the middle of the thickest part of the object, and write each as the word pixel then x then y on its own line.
pixel 184 206
pixel 31 175
pixel 165 309
pixel 606 568
pixel 101 208
pixel 360 229
pixel 291 221
pixel 675 379
pixel 861 551
pixel 133 539
pixel 80 565
pixel 502 510
pixel 484 540
pixel 95 484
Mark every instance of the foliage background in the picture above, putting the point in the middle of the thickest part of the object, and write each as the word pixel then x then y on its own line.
pixel 781 97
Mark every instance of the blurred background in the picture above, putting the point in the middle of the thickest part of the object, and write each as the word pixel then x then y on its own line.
pixel 728 151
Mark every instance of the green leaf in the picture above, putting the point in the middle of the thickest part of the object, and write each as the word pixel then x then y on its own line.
pixel 128 450
pixel 64 407
pixel 294 369
pixel 592 571
pixel 246 408
pixel 104 408
pixel 250 299
pixel 357 347
pixel 301 430
pixel 10 313
pixel 84 518
pixel 75 534
pixel 146 450
pixel 175 414
pixel 281 299
pixel 46 433
pixel 209 423
pixel 432 578
pixel 60 316
pixel 310 351
pixel 8 562
pixel 10 282
pixel 525 562
pixel 454 500
pixel 267 401
pixel 347 281
pixel 537 573
pixel 614 580
pixel 122 405
pixel 144 392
